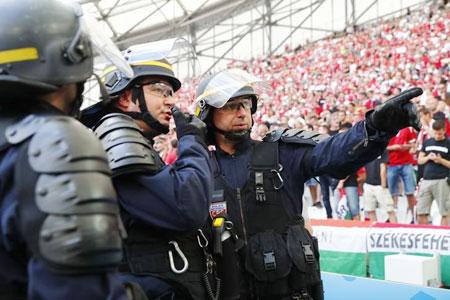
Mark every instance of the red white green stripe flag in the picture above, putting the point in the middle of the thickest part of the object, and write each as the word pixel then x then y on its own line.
pixel 343 246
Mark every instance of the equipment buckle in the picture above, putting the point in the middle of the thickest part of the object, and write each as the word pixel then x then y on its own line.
pixel 269 261
pixel 259 187
pixel 309 254
pixel 260 195
pixel 182 256
pixel 302 295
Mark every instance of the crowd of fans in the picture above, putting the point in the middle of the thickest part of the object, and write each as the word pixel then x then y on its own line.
pixel 329 84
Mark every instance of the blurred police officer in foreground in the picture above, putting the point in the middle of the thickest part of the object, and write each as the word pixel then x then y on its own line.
pixel 60 233
pixel 162 206
pixel 259 185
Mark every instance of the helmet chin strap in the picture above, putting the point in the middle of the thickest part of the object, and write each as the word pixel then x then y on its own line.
pixel 75 111
pixel 235 136
pixel 145 115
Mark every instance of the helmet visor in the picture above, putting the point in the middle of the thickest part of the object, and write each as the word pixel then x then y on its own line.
pixel 103 45
pixel 178 52
pixel 230 83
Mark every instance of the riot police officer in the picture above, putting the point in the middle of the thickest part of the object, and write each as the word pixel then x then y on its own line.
pixel 259 185
pixel 60 229
pixel 162 206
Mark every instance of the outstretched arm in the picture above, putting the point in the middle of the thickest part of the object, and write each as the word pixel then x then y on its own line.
pixel 346 152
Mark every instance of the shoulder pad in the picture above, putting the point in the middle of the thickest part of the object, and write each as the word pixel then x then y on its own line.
pixel 25 128
pixel 6 122
pixel 275 135
pixel 127 149
pixel 84 243
pixel 82 230
pixel 62 144
pixel 113 122
pixel 64 190
pixel 296 136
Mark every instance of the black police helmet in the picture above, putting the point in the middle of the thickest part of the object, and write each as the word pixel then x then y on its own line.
pixel 116 82
pixel 42 46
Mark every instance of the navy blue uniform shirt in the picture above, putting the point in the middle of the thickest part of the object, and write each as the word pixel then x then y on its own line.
pixel 338 156
pixel 175 198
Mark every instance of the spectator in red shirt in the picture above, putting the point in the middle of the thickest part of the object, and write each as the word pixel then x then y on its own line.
pixel 400 166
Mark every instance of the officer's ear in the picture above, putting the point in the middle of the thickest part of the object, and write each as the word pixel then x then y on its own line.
pixel 125 103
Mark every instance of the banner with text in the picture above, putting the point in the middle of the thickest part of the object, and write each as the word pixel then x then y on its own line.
pixel 384 239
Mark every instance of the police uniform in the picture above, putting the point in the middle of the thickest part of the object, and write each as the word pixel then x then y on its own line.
pixel 162 206
pixel 257 200
pixel 60 234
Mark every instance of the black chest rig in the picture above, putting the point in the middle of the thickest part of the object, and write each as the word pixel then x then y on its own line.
pixel 278 258
pixel 172 256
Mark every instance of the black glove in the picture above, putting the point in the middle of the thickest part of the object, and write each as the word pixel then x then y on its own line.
pixel 189 124
pixel 396 113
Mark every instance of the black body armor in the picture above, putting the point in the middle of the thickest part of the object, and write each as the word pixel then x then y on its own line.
pixel 68 214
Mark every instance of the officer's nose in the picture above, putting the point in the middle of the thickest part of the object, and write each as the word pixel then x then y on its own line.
pixel 169 101
pixel 241 112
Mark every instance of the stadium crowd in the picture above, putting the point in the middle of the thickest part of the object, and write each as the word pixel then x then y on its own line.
pixel 327 85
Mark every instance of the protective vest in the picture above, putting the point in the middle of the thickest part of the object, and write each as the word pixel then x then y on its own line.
pixel 172 256
pixel 68 214
pixel 279 259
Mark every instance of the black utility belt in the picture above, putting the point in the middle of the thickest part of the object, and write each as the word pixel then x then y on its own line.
pixel 174 257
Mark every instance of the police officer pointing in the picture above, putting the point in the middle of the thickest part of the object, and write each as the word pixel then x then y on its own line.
pixel 258 186
pixel 162 206
pixel 59 219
